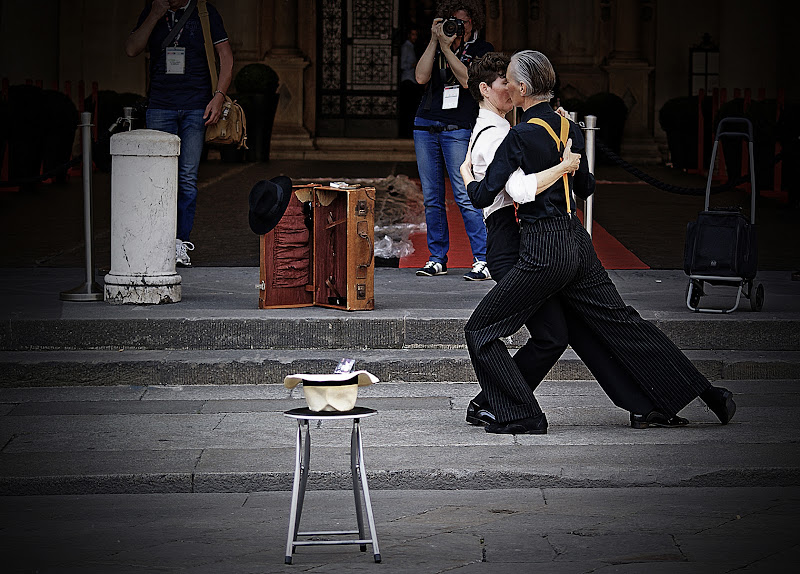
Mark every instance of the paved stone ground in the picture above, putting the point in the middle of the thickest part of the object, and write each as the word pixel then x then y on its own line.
pixel 552 530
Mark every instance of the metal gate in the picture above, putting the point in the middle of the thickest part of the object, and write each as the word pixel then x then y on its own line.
pixel 357 71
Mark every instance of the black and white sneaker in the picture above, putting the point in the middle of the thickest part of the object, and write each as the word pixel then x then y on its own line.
pixel 432 268
pixel 182 258
pixel 479 272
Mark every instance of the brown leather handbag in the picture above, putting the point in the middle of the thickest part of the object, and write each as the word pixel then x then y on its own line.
pixel 231 128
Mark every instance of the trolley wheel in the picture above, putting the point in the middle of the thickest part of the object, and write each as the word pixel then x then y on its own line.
pixel 757 297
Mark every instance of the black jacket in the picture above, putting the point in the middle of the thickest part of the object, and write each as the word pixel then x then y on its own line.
pixel 530 146
pixel 430 108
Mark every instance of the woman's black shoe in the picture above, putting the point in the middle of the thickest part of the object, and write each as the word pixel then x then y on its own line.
pixel 656 419
pixel 530 425
pixel 478 415
pixel 720 401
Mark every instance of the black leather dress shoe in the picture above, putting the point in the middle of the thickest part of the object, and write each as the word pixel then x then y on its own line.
pixel 479 415
pixel 720 401
pixel 656 419
pixel 530 425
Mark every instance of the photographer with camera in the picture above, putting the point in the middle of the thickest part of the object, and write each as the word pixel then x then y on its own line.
pixel 442 128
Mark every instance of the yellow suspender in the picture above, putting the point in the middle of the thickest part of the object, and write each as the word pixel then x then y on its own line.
pixel 560 144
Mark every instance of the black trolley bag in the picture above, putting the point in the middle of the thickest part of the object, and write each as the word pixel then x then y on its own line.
pixel 721 247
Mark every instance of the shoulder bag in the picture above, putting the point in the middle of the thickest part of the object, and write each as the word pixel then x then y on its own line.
pixel 231 128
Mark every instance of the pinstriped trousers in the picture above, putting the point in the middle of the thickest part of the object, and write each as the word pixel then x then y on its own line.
pixel 557 256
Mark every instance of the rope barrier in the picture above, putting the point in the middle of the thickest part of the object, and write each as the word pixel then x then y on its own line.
pixel 649 179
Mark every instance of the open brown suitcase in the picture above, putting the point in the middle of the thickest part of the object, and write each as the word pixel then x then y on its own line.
pixel 321 251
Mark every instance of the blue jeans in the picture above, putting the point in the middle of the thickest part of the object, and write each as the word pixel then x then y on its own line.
pixel 437 152
pixel 188 125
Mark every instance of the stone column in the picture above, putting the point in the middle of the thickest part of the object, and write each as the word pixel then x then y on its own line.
pixel 627 32
pixel 284 18
pixel 144 206
pixel 290 137
pixel 629 77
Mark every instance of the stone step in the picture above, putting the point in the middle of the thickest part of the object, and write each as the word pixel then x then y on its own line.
pixel 125 439
pixel 254 367
pixel 326 329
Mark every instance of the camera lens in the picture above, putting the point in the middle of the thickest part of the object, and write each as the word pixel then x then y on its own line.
pixel 450 27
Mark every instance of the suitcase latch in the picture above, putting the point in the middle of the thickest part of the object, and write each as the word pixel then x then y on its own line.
pixel 361 207
pixel 361 291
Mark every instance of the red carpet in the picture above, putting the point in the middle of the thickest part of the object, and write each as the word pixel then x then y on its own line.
pixel 612 254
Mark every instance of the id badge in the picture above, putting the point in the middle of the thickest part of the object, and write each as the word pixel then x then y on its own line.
pixel 450 99
pixel 176 60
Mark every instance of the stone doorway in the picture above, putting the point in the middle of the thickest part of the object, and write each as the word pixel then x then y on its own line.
pixel 358 68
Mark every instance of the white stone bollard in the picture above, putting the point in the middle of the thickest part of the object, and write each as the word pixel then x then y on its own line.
pixel 144 207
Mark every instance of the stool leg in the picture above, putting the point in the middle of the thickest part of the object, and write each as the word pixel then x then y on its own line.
pixel 354 469
pixel 367 502
pixel 305 468
pixel 293 517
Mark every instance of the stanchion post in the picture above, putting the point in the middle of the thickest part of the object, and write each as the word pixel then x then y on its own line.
pixel 722 174
pixel 745 145
pixel 590 126
pixel 96 98
pixel 780 100
pixel 89 291
pixel 701 94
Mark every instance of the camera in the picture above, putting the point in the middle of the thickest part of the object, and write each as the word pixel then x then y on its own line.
pixel 453 27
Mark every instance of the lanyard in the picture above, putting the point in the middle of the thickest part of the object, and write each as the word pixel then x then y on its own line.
pixel 171 24
pixel 444 66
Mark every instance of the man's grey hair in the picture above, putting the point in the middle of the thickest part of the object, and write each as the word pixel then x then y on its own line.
pixel 535 71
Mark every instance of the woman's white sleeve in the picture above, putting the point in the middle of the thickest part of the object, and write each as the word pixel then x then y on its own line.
pixel 520 187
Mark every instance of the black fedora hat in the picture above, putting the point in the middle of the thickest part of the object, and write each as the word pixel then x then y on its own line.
pixel 269 199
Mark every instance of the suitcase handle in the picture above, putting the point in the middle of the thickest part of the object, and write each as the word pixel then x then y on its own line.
pixel 365 235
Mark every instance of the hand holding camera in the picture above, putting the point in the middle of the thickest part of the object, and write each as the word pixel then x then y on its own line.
pixel 453 27
pixel 447 30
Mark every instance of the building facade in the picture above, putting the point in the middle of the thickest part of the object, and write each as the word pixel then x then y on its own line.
pixel 338 59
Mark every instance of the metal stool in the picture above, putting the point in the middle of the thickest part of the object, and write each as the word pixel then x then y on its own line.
pixel 301 469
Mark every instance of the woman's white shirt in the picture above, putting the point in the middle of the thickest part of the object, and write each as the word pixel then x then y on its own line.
pixel 520 187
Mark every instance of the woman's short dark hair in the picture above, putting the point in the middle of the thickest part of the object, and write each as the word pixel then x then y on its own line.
pixel 474 8
pixel 487 69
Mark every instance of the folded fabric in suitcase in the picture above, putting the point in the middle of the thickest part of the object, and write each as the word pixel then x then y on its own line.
pixel 721 243
pixel 321 251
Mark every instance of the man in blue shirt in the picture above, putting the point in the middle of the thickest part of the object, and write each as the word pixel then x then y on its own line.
pixel 181 101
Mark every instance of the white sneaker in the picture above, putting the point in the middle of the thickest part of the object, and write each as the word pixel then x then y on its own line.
pixel 181 256
pixel 479 272
pixel 432 268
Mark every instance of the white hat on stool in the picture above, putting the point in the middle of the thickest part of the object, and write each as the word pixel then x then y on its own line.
pixel 331 392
